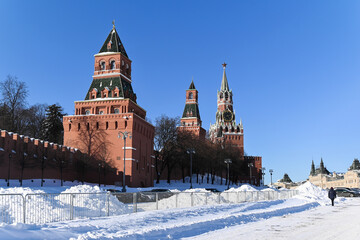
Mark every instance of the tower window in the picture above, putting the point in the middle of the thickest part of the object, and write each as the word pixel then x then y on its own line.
pixel 116 124
pixel 102 64
pixel 226 96
pixel 97 125
pixel 191 96
pixel 107 125
pixel 112 64
pixel 70 127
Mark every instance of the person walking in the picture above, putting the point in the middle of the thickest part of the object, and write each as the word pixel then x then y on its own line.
pixel 332 195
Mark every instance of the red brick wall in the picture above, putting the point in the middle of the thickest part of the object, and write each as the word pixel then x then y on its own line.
pixel 33 153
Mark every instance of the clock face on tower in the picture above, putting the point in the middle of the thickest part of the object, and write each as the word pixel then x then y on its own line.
pixel 228 116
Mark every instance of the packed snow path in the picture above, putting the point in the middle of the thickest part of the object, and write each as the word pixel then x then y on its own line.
pixel 281 219
pixel 326 222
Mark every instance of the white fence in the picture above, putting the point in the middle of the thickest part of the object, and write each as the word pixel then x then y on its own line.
pixel 45 208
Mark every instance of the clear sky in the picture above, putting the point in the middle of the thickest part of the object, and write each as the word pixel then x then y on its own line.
pixel 293 66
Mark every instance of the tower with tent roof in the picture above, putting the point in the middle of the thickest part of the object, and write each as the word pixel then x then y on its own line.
pixel 109 109
pixel 190 120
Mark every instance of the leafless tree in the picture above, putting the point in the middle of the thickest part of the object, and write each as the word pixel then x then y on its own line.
pixel 14 93
pixel 165 144
pixel 92 140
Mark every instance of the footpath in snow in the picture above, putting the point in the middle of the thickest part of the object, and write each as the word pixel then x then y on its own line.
pixel 306 216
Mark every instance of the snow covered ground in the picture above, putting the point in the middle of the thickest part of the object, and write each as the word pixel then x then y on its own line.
pixel 306 216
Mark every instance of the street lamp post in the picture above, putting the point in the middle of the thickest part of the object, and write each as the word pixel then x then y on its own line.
pixel 8 180
pixel 191 151
pixel 263 175
pixel 99 164
pixel 125 135
pixel 228 162
pixel 271 172
pixel 250 165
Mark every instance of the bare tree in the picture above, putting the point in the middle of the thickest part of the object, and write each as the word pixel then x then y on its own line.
pixel 14 93
pixel 165 144
pixel 92 140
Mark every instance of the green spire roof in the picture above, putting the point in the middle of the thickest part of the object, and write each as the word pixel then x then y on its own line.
pixel 312 172
pixel 224 82
pixel 355 165
pixel 192 85
pixel 113 43
pixel 125 88
pixel 191 110
pixel 286 179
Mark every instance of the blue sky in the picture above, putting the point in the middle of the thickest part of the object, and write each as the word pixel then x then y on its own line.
pixel 293 66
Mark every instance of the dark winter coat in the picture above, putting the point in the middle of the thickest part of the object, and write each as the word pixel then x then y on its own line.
pixel 332 193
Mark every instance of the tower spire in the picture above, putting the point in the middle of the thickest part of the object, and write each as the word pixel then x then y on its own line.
pixel 192 85
pixel 224 82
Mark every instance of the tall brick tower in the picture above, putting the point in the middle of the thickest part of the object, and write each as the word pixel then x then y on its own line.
pixel 191 121
pixel 108 109
pixel 225 128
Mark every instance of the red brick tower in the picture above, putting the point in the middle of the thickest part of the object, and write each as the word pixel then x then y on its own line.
pixel 110 108
pixel 225 128
pixel 190 120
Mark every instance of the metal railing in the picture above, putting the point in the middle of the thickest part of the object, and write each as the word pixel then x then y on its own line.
pixel 38 208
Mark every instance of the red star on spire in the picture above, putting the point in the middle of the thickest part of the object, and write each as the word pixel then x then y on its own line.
pixel 224 65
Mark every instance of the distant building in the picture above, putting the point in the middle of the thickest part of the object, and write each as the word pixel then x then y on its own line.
pixel 286 182
pixel 321 177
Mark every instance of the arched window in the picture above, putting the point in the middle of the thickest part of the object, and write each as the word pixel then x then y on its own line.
pixel 107 125
pixel 78 126
pixel 116 124
pixel 221 95
pixel 191 96
pixel 226 96
pixel 69 126
pixel 112 64
pixel 97 125
pixel 102 64
pixel 88 126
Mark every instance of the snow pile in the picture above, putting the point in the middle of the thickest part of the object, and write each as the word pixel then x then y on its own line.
pixel 76 202
pixel 311 193
pixel 246 187
pixel 19 190
pixel 83 189
pixel 91 201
